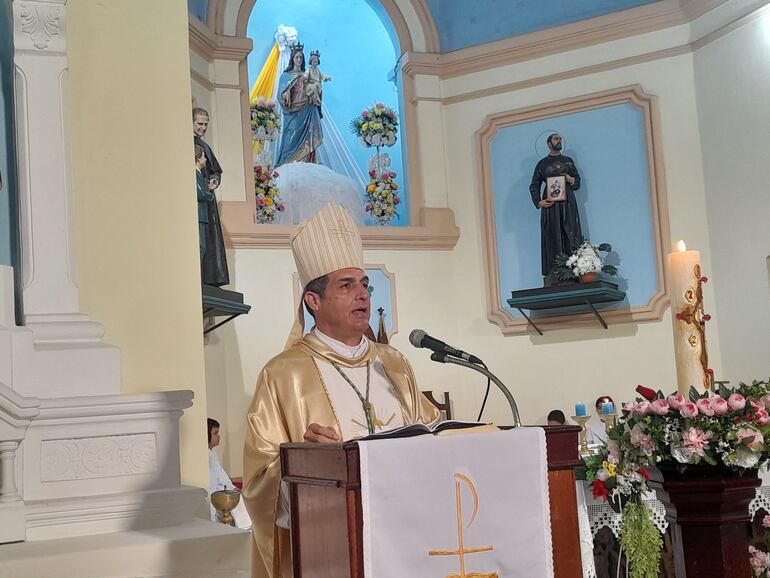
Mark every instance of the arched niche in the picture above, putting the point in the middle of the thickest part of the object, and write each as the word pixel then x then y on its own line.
pixel 219 48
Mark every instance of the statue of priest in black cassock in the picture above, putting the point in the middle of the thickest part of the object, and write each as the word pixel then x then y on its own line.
pixel 559 220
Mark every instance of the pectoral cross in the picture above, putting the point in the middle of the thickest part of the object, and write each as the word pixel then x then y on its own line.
pixel 461 550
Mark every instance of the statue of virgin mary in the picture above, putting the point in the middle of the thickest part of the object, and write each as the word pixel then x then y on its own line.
pixel 302 133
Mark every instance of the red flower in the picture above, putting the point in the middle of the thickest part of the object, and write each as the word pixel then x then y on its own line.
pixel 644 473
pixel 646 392
pixel 707 317
pixel 703 279
pixel 599 489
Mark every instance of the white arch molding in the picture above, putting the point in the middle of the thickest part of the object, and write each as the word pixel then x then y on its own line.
pixel 220 83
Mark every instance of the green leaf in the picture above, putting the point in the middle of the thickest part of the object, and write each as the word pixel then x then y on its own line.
pixel 709 459
pixel 693 394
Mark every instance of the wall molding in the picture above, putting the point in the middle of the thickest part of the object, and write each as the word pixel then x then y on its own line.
pixel 580 34
pixel 436 230
pixel 210 45
pixel 664 53
pixel 647 104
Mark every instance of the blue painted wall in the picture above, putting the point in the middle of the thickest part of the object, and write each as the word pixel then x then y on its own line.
pixel 608 147
pixel 199 9
pixel 463 23
pixel 10 246
pixel 357 51
pixel 7 228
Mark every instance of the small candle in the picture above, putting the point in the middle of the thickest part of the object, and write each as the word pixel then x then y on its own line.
pixel 580 408
pixel 608 408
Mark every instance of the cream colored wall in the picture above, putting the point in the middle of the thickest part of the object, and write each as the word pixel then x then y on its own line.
pixel 733 88
pixel 443 292
pixel 129 110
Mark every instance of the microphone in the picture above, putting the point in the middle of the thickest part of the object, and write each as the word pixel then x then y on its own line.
pixel 419 338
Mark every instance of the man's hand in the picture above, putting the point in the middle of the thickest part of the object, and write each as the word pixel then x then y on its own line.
pixel 569 179
pixel 544 203
pixel 320 434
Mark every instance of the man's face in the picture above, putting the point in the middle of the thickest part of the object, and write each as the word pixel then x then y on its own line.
pixel 343 311
pixel 200 125
pixel 555 143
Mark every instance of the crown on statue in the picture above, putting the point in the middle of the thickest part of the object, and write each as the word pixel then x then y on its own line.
pixel 297 47
pixel 315 53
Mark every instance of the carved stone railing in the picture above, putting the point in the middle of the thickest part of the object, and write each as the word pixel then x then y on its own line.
pixel 16 413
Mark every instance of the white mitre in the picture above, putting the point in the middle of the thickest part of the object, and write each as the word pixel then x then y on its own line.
pixel 327 242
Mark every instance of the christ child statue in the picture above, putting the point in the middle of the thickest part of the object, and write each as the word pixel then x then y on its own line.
pixel 314 79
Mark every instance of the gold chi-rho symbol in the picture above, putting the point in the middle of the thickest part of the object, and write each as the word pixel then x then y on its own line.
pixel 461 550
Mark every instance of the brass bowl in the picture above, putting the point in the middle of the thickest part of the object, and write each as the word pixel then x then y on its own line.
pixel 225 500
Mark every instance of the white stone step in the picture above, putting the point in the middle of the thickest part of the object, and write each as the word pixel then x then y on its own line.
pixel 201 549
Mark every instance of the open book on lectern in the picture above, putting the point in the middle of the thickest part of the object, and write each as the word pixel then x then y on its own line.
pixel 418 429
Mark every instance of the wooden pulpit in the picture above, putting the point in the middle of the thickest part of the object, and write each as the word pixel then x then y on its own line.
pixel 327 518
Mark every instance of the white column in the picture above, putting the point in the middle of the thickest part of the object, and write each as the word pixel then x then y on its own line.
pixel 8 491
pixel 73 360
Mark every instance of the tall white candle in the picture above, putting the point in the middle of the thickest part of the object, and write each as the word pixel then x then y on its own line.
pixel 684 281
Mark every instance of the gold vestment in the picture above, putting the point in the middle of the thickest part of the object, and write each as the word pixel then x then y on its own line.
pixel 289 396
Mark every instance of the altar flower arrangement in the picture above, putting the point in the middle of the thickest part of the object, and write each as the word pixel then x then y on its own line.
pixel 265 119
pixel 382 196
pixel 268 196
pixel 586 260
pixel 376 126
pixel 727 427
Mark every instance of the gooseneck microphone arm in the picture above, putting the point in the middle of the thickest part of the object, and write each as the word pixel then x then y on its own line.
pixel 443 358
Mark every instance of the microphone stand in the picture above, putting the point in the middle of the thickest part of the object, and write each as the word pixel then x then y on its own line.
pixel 443 358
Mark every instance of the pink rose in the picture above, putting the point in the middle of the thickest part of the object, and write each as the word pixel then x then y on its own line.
pixel 765 400
pixel 696 440
pixel 281 207
pixel 643 407
pixel 260 201
pixel 676 401
pixel 704 406
pixel 762 417
pixel 263 178
pixel 750 438
pixel 688 409
pixel 613 452
pixel 257 168
pixel 719 405
pixel 629 406
pixel 642 440
pixel 659 407
pixel 736 402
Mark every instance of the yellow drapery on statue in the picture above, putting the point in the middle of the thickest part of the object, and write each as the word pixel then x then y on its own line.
pixel 265 83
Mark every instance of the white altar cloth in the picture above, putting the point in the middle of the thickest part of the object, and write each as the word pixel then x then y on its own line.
pixel 426 498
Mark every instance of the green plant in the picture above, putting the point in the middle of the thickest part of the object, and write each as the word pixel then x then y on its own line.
pixel 641 541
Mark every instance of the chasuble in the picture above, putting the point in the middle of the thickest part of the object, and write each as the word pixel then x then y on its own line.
pixel 290 395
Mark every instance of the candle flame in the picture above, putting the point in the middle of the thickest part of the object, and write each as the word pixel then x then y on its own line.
pixel 680 246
